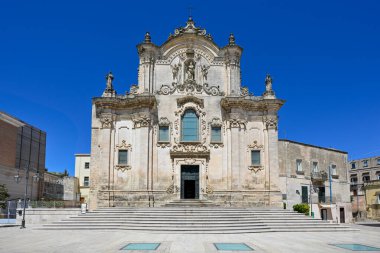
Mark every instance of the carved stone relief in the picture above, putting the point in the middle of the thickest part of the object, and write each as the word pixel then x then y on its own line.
pixel 107 119
pixel 237 123
pixel 141 121
pixel 270 122
pixel 189 75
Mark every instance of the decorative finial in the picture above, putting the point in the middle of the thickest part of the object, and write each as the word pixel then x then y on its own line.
pixel 109 78
pixel 147 38
pixel 231 40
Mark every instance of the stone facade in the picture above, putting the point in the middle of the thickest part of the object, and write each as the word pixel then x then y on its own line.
pixel 188 72
pixel 21 146
pixel 82 172
pixel 59 187
pixel 308 170
pixel 365 187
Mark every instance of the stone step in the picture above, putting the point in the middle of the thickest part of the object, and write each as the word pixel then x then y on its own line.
pixel 195 220
pixel 203 230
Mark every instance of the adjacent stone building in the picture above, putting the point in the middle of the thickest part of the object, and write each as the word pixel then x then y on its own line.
pixel 22 146
pixel 190 130
pixel 316 176
pixel 82 172
pixel 365 187
pixel 58 186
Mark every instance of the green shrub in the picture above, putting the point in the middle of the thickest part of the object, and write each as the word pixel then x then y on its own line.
pixel 301 208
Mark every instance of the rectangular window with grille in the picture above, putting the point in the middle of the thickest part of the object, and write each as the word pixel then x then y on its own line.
pixel 86 181
pixel 333 170
pixel 216 134
pixel 255 157
pixel 87 165
pixel 299 165
pixel 123 157
pixel 163 135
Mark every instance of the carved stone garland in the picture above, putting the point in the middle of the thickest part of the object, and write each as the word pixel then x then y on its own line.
pixel 251 147
pixel 123 146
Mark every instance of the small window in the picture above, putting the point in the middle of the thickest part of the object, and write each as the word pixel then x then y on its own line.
pixel 366 178
pixel 216 134
pixel 365 163
pixel 378 161
pixel 333 170
pixel 378 175
pixel 299 164
pixel 353 165
pixel 255 157
pixel 87 165
pixel 163 135
pixel 315 167
pixel 86 181
pixel 354 179
pixel 123 156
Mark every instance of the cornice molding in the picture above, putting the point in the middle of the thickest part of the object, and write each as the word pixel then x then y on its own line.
pixel 251 103
pixel 125 102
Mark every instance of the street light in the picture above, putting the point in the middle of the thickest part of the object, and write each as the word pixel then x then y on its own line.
pixel 17 178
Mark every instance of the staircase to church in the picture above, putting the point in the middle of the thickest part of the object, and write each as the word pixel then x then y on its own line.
pixel 185 219
pixel 190 203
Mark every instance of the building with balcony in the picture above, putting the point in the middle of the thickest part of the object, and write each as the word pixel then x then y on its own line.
pixel 365 189
pixel 317 176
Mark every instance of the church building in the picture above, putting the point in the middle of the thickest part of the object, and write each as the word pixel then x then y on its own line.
pixel 187 130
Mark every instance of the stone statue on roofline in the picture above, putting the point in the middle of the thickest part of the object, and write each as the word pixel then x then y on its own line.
pixel 268 83
pixel 109 91
pixel 269 93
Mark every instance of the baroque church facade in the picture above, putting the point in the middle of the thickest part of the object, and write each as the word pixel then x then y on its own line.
pixel 188 130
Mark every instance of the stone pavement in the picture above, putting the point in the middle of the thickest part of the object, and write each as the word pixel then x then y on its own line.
pixel 13 239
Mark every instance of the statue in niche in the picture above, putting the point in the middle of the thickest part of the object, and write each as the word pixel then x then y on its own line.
pixel 204 70
pixel 176 70
pixel 190 70
pixel 268 83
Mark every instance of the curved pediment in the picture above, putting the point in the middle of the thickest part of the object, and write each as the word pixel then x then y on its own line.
pixel 183 100
pixel 180 45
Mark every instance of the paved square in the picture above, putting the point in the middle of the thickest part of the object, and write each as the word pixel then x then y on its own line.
pixel 16 240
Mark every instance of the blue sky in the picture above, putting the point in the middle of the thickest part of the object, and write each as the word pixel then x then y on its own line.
pixel 324 57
